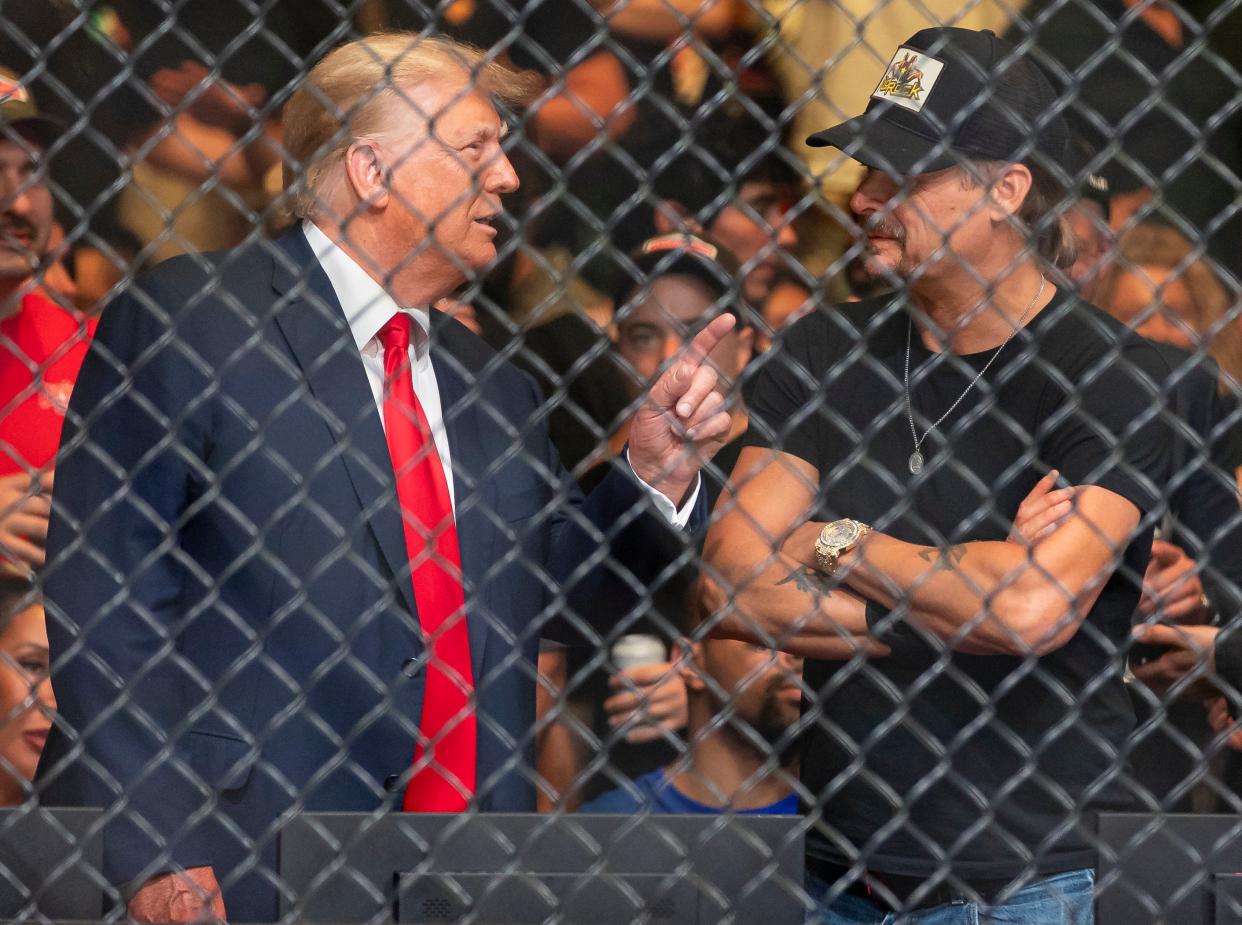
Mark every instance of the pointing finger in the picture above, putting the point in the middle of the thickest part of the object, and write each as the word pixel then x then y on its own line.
pixel 706 340
pixel 675 385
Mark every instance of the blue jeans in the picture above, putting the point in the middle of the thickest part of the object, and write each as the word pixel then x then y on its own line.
pixel 1062 899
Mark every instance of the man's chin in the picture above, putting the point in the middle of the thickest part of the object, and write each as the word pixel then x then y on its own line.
pixel 481 256
pixel 15 266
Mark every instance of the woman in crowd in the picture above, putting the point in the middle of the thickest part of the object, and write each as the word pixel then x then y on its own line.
pixel 1162 287
pixel 26 699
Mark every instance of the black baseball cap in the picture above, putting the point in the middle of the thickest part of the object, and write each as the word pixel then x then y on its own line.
pixel 19 113
pixel 683 255
pixel 1089 183
pixel 950 94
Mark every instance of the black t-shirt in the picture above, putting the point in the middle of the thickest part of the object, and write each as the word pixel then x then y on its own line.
pixel 1206 519
pixel 978 758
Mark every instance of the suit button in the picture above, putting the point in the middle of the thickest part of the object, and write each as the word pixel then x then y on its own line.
pixel 391 782
pixel 410 667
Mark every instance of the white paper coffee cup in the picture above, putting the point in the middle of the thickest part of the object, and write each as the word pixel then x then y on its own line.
pixel 638 649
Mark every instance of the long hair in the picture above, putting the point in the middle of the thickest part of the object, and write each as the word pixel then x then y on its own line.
pixel 1153 244
pixel 1042 215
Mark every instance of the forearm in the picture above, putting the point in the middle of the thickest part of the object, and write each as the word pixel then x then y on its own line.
pixel 984 597
pixel 776 600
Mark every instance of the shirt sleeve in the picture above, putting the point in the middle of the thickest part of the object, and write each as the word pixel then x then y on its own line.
pixel 783 405
pixel 1110 428
pixel 678 517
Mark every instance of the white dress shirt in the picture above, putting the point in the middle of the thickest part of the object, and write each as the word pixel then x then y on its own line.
pixel 368 306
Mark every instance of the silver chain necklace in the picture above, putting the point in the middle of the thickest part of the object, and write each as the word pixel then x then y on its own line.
pixel 916 458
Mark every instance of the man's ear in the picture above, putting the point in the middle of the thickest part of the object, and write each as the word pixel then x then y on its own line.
pixel 1009 191
pixel 367 174
pixel 688 657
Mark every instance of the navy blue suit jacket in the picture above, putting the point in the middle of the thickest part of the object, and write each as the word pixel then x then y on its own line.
pixel 232 624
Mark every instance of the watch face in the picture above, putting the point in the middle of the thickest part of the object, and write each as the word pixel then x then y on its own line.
pixel 839 533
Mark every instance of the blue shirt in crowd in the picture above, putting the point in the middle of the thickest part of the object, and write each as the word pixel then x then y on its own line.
pixel 656 793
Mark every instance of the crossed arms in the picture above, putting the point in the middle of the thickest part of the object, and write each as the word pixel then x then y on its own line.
pixel 1025 595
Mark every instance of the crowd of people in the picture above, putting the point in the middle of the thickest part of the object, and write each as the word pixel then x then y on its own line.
pixel 621 411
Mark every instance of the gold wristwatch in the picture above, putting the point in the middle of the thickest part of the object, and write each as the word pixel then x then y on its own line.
pixel 835 539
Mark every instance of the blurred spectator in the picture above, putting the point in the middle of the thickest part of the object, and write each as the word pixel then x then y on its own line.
pixel 787 301
pixel 27 703
pixel 728 187
pixel 734 183
pixel 1163 287
pixel 586 86
pixel 42 342
pixel 192 98
pixel 1214 655
pixel 679 283
pixel 675 285
pixel 98 267
pixel 1164 119
pixel 744 703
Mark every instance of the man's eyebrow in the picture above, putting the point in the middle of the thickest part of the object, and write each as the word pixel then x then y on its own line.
pixel 486 133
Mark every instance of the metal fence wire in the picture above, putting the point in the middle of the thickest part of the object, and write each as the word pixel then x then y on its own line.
pixel 654 460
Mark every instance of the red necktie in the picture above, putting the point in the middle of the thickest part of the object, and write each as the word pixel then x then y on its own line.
pixel 445 783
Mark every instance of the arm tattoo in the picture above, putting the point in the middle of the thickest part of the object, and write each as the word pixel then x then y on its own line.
pixel 951 554
pixel 808 580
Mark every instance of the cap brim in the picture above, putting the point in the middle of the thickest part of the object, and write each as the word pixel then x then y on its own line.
pixel 42 130
pixel 883 145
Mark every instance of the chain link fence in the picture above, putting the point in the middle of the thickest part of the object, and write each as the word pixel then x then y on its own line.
pixel 907 593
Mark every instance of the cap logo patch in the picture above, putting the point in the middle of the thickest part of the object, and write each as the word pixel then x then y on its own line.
pixel 910 77
pixel 11 90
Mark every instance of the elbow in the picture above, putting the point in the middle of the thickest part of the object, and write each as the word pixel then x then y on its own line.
pixel 1036 623
pixel 717 613
pixel 712 611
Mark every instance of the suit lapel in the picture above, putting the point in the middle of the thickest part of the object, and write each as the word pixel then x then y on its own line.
pixel 313 322
pixel 472 490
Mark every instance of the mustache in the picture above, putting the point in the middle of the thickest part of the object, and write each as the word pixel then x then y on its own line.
pixel 14 225
pixel 884 226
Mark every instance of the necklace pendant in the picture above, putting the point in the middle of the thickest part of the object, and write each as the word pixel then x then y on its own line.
pixel 916 462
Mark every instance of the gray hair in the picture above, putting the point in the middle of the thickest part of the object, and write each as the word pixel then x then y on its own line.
pixel 1042 213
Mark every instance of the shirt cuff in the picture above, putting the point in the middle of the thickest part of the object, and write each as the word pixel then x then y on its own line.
pixel 669 511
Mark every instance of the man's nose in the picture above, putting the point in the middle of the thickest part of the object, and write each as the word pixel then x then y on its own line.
pixel 792 664
pixel 501 177
pixel 873 193
pixel 14 193
pixel 862 203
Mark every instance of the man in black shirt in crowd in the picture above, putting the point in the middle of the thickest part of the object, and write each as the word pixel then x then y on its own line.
pixel 970 701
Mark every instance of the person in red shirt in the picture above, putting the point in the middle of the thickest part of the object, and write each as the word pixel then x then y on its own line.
pixel 42 343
